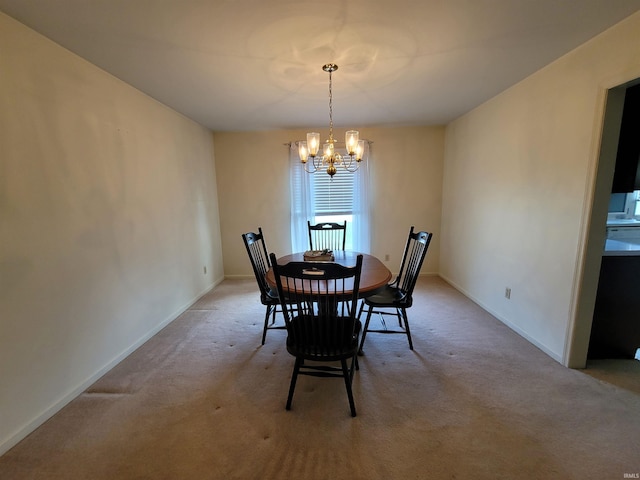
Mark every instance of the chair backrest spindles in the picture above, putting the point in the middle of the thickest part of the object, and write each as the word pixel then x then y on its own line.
pixel 412 259
pixel 327 235
pixel 257 250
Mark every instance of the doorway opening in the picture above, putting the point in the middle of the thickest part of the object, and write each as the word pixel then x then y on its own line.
pixel 577 353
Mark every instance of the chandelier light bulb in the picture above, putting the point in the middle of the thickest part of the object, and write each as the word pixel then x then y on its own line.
pixel 303 152
pixel 359 150
pixel 328 151
pixel 351 140
pixel 313 143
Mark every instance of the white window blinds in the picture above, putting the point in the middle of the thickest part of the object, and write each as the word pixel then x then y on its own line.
pixel 333 196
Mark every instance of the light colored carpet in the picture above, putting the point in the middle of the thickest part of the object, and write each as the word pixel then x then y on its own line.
pixel 204 400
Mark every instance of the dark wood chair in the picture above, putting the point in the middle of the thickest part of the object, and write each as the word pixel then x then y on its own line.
pixel 319 303
pixel 396 297
pixel 327 236
pixel 257 251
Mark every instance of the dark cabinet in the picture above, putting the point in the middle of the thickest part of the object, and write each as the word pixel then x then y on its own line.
pixel 626 177
pixel 615 332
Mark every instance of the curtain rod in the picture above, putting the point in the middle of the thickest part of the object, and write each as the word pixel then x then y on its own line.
pixel 369 142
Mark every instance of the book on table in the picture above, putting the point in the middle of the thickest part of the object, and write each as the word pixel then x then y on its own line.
pixel 318 256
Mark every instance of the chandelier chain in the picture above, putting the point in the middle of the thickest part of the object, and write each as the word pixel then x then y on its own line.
pixel 330 108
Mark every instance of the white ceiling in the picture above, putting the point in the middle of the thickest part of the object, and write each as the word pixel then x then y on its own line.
pixel 256 64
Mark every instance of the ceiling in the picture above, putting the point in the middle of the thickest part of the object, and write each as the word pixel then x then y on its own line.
pixel 235 65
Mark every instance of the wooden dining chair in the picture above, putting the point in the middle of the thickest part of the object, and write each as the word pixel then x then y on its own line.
pixel 396 297
pixel 327 236
pixel 257 251
pixel 319 304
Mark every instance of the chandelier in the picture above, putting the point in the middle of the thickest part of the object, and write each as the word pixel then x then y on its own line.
pixel 331 158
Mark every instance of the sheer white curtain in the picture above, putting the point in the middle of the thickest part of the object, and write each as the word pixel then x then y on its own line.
pixel 361 211
pixel 301 201
pixel 302 204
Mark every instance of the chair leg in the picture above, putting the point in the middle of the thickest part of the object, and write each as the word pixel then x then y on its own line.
pixel 266 321
pixel 364 329
pixel 354 366
pixel 347 383
pixel 406 327
pixel 294 377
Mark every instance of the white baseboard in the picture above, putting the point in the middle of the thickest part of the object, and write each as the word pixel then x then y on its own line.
pixel 507 322
pixel 14 438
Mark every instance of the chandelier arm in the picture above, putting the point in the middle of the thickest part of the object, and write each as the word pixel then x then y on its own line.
pixel 353 170
pixel 306 169
pixel 347 166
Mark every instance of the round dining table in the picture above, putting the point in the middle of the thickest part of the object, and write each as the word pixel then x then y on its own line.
pixel 374 275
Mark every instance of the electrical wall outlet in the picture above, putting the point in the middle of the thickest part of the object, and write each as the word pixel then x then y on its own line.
pixel 205 269
pixel 507 293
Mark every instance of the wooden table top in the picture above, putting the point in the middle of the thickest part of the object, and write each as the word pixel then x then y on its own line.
pixel 374 273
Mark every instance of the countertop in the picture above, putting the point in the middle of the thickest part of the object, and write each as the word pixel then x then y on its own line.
pixel 623 222
pixel 621 248
pixel 623 238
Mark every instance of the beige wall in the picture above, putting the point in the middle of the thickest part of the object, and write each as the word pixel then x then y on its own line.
pixel 109 208
pixel 253 190
pixel 518 186
pixel 108 216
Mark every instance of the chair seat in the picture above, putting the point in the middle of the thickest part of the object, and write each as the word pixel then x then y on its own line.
pixel 389 296
pixel 270 297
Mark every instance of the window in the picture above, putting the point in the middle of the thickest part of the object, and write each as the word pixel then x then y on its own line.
pixel 318 198
pixel 333 200
pixel 624 206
